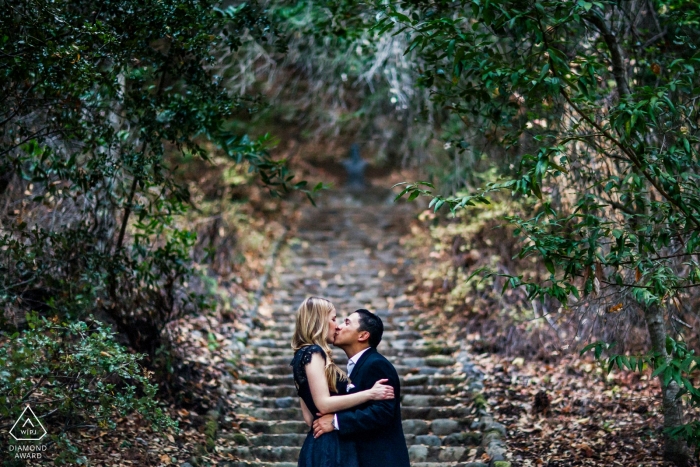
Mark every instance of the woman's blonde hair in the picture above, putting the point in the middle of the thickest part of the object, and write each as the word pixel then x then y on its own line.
pixel 312 328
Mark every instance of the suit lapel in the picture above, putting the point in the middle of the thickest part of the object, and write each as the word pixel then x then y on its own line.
pixel 358 366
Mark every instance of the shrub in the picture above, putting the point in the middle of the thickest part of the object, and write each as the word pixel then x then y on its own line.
pixel 74 376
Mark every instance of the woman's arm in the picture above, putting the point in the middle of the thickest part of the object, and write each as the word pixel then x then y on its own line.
pixel 308 416
pixel 315 373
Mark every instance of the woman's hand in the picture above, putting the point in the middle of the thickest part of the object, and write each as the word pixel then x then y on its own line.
pixel 381 391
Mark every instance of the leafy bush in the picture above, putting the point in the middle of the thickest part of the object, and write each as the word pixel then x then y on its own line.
pixel 94 97
pixel 74 375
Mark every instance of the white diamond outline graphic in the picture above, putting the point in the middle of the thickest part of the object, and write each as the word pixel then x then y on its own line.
pixel 20 418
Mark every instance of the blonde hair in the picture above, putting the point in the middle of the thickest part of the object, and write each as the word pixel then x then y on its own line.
pixel 311 328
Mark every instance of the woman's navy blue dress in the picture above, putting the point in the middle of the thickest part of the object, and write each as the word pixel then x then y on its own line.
pixel 328 450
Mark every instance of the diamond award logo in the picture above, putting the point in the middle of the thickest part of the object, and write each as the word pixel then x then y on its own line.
pixel 28 427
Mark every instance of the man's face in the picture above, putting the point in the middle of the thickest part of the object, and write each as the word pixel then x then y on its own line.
pixel 348 331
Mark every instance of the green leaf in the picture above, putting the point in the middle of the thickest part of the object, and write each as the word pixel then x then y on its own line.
pixel 585 5
pixel 536 190
pixel 403 192
pixel 549 264
pixel 659 370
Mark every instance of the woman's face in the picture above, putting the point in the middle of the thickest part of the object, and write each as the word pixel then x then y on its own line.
pixel 330 338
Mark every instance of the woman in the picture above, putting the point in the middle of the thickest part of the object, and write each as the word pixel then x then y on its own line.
pixel 318 382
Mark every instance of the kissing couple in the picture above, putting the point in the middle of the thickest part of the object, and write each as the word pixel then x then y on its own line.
pixel 355 417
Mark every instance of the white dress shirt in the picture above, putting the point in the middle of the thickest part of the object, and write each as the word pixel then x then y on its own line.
pixel 355 358
pixel 351 364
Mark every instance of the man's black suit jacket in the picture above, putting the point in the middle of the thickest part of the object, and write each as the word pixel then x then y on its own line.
pixel 376 425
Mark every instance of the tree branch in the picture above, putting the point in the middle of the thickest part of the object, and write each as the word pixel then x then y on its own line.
pixel 127 209
pixel 627 151
pixel 632 156
pixel 619 69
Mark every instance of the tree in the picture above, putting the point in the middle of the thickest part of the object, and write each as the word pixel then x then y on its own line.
pixel 596 106
pixel 94 96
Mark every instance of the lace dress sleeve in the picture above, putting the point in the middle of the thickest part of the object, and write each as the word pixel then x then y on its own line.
pixel 302 358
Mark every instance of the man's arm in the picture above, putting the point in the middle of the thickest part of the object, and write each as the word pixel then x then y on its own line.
pixel 377 413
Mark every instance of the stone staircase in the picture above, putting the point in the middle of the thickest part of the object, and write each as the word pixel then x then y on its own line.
pixel 348 251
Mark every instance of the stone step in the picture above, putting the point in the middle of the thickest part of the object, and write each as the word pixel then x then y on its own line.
pixel 422 453
pixel 277 402
pixel 286 327
pixel 258 464
pixel 434 413
pixel 444 389
pixel 402 370
pixel 428 439
pixel 364 288
pixel 292 439
pixel 434 361
pixel 260 361
pixel 294 413
pixel 414 400
pixel 344 293
pixel 414 380
pixel 416 453
pixel 286 336
pixel 408 340
pixel 407 400
pixel 433 380
pixel 262 392
pixel 455 439
pixel 391 321
pixel 370 301
pixel 389 352
pixel 339 358
pixel 437 427
pixel 415 427
pixel 266 453
pixel 294 464
pixel 269 380
pixel 275 427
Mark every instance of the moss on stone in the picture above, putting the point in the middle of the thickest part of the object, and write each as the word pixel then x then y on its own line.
pixel 479 401
pixel 432 349
pixel 239 438
pixel 210 429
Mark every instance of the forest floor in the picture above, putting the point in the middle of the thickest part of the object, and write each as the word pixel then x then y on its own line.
pixel 568 413
pixel 560 409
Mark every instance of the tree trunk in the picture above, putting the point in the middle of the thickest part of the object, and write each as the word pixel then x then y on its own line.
pixel 5 180
pixel 675 450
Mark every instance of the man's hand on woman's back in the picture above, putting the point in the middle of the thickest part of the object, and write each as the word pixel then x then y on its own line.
pixel 323 425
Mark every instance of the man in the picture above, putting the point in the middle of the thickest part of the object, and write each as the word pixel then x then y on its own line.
pixel 375 426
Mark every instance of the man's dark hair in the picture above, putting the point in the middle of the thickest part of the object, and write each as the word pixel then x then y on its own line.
pixel 373 324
